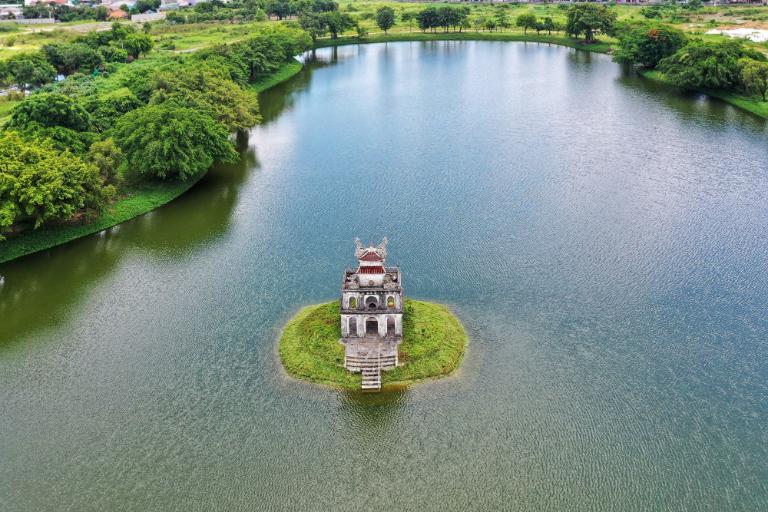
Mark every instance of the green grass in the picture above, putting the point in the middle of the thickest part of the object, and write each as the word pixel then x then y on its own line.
pixel 433 346
pixel 281 75
pixel 751 104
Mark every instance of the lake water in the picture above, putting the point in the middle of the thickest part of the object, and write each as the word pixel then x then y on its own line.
pixel 602 237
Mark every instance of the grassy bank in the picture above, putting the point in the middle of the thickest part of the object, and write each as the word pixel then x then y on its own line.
pixel 750 104
pixel 136 201
pixel 600 47
pixel 433 346
pixel 289 70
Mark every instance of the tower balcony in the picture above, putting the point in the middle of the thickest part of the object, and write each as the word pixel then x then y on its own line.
pixel 392 280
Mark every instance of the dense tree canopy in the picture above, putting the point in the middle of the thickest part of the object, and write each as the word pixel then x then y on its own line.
pixel 208 89
pixel 41 184
pixel 754 76
pixel 646 45
pixel 707 65
pixel 170 140
pixel 50 109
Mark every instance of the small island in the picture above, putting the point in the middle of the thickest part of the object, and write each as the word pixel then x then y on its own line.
pixel 372 337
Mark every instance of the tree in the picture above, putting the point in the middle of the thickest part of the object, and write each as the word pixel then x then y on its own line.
pixel 30 70
pixel 41 184
pixel 49 110
pixel 526 21
pixel 502 19
pixel 385 18
pixel 314 24
pixel 754 76
pixel 647 45
pixel 428 19
pixel 589 19
pixel 170 140
pixel 549 25
pixel 70 57
pixel 106 156
pixel 147 5
pixel 706 65
pixel 208 89
pixel 136 44
pixel 338 23
pixel 408 17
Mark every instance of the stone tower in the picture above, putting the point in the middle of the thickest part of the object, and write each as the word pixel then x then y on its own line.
pixel 371 314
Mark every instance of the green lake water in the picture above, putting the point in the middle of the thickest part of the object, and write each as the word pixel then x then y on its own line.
pixel 602 237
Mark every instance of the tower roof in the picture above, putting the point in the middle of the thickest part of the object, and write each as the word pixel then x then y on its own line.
pixel 371 255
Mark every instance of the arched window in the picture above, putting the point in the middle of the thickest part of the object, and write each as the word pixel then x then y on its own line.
pixel 372 302
pixel 352 303
pixel 353 326
pixel 391 302
pixel 391 325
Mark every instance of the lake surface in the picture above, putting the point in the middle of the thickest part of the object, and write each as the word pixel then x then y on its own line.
pixel 602 237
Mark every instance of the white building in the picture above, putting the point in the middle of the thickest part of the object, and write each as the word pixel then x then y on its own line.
pixel 371 314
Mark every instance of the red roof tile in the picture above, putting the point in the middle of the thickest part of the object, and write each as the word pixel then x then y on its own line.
pixel 371 270
pixel 371 256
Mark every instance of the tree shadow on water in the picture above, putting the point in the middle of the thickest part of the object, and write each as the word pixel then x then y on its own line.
pixel 42 290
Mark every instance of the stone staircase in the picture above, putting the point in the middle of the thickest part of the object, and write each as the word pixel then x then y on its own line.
pixel 372 378
pixel 371 367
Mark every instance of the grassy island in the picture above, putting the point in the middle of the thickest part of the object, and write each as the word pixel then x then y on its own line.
pixel 433 346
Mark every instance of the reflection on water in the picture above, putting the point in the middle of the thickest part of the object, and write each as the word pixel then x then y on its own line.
pixel 602 237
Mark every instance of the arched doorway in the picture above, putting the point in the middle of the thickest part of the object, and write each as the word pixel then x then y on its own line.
pixel 371 326
pixel 372 302
pixel 353 326
pixel 391 326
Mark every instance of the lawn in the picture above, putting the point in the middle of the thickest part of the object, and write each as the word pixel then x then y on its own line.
pixel 433 346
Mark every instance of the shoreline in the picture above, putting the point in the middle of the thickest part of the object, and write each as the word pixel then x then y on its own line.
pixel 154 197
pixel 139 200
pixel 434 346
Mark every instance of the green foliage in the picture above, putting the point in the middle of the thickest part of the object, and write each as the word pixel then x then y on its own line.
pixel 385 18
pixel 28 70
pixel 754 76
pixel 210 90
pixel 646 45
pixel 589 20
pixel 106 156
pixel 70 57
pixel 138 44
pixel 106 109
pixel 48 110
pixel 314 24
pixel 41 184
pixel 337 23
pixel 526 21
pixel 706 65
pixel 170 140
pixel 443 17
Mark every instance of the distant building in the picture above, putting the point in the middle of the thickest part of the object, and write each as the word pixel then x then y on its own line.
pixel 148 16
pixel 117 14
pixel 371 314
